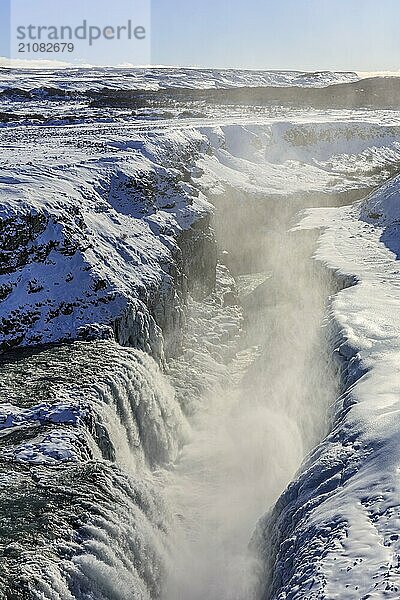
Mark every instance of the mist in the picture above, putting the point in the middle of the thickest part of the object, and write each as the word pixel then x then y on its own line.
pixel 250 434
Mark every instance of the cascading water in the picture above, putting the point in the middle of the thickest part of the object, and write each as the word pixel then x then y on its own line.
pixel 87 518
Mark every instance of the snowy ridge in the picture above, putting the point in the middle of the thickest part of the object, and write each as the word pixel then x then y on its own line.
pixel 74 79
pixel 340 517
pixel 289 157
pixel 95 242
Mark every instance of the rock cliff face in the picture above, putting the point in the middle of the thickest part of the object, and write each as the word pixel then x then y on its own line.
pixel 107 248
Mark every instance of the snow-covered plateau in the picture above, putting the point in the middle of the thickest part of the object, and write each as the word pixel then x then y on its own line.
pixel 199 335
pixel 155 78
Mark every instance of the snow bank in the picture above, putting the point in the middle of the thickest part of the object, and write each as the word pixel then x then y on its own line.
pixel 299 156
pixel 339 520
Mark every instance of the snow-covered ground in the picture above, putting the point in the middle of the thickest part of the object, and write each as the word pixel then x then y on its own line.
pixel 90 227
pixel 106 205
pixel 108 201
pixel 103 222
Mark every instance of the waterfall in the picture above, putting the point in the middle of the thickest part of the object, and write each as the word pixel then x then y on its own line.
pixel 109 419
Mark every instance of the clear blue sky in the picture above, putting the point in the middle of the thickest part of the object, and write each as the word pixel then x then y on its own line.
pixel 273 34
